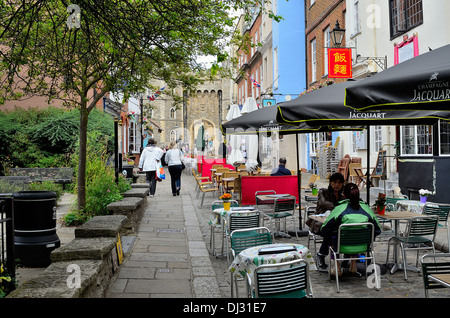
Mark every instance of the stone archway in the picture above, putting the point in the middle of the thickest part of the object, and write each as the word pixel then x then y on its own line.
pixel 210 138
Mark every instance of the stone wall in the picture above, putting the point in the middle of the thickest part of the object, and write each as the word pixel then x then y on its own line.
pixel 83 268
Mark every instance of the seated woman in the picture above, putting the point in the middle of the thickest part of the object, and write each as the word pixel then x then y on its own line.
pixel 350 210
pixel 327 200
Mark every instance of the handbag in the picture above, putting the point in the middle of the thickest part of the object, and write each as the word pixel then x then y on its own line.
pixel 182 163
pixel 160 174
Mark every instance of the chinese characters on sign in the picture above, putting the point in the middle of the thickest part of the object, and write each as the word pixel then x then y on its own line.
pixel 340 63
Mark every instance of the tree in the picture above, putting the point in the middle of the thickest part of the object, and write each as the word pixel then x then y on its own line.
pixel 80 52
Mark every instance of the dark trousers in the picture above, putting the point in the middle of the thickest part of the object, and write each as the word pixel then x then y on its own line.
pixel 175 177
pixel 326 243
pixel 151 179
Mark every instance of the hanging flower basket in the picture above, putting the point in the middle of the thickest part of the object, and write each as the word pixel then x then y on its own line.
pixel 131 115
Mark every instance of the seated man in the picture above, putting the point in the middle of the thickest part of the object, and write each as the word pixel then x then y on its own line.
pixel 281 170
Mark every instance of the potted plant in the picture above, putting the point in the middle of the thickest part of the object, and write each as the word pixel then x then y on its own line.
pixel 424 194
pixel 226 197
pixel 380 203
pixel 314 189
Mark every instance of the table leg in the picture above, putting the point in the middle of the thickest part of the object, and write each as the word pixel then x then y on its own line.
pixel 397 265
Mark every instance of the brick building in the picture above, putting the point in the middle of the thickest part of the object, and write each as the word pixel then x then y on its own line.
pixel 250 62
pixel 321 17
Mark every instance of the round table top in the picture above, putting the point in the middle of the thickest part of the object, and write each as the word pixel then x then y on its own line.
pixel 249 259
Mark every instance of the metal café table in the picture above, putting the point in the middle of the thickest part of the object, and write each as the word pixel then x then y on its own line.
pixel 226 181
pixel 219 218
pixel 396 216
pixel 410 205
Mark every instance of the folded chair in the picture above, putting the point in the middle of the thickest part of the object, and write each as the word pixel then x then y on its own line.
pixel 246 238
pixel 420 235
pixel 354 239
pixel 283 280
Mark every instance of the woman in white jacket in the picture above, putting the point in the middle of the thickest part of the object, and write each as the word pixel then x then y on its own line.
pixel 174 158
pixel 149 163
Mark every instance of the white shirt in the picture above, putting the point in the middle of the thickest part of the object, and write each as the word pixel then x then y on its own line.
pixel 173 157
pixel 150 158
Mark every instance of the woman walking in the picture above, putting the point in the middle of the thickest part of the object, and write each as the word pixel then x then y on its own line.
pixel 174 159
pixel 149 163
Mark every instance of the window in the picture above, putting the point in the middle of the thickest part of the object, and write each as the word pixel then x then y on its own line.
pixel 378 138
pixel 313 60
pixel 416 140
pixel 405 15
pixel 445 138
pixel 134 137
pixel 275 67
pixel 173 113
pixel 356 26
pixel 312 2
pixel 326 45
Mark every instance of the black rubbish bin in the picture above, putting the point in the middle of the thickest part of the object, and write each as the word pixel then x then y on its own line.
pixel 127 171
pixel 35 227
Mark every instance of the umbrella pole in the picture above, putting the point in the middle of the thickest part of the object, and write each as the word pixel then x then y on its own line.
pixel 300 231
pixel 368 166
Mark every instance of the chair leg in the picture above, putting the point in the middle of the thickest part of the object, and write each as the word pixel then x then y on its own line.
pixel 203 198
pixel 231 285
pixel 404 260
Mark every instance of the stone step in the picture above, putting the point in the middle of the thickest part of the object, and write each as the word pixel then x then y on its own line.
pixel 96 248
pixel 101 226
pixel 59 280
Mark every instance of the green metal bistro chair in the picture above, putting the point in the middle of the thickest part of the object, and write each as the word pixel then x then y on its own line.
pixel 246 238
pixel 217 224
pixel 263 205
pixel 282 280
pixel 434 264
pixel 391 202
pixel 442 211
pixel 238 220
pixel 283 208
pixel 420 235
pixel 354 239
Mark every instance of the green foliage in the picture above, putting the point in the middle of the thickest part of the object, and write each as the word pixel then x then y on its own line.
pixel 47 186
pixel 101 188
pixel 46 138
pixel 6 283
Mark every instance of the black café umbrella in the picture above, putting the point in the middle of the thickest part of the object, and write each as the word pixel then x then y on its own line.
pixel 325 106
pixel 421 83
pixel 264 119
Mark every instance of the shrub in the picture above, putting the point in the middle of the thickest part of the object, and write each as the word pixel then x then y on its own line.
pixel 101 188
pixel 48 186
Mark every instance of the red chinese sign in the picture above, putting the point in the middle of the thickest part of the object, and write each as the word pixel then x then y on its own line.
pixel 340 63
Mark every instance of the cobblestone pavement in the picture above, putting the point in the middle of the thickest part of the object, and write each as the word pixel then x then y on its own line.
pixel 392 285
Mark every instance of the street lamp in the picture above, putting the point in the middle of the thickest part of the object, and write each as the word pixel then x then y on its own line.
pixel 337 35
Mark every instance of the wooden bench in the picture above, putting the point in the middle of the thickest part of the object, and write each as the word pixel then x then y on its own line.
pixel 62 175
